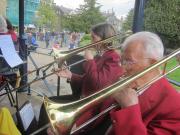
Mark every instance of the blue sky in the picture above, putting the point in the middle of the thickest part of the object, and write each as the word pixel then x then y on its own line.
pixel 120 7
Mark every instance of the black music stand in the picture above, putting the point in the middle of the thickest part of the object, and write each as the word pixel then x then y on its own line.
pixel 9 62
pixel 38 74
pixel 5 86
pixel 26 119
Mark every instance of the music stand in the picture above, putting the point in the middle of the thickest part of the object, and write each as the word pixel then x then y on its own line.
pixel 9 61
pixel 26 119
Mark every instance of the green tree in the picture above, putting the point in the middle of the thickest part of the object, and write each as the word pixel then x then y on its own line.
pixel 128 22
pixel 87 15
pixel 90 14
pixel 162 17
pixel 72 22
pixel 46 16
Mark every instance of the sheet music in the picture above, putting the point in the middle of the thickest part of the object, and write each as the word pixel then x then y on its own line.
pixel 27 115
pixel 8 51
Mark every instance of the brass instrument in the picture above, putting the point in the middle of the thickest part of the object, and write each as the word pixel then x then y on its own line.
pixel 63 116
pixel 62 56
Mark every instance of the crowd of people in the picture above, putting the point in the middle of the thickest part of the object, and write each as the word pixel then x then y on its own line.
pixel 63 39
pixel 155 112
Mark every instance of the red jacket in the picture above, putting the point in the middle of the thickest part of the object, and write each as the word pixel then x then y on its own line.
pixel 99 73
pixel 13 35
pixel 158 113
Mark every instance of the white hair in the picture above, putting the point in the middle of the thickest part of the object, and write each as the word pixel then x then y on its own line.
pixel 152 43
pixel 3 25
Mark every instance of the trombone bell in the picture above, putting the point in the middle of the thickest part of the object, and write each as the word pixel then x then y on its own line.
pixel 61 117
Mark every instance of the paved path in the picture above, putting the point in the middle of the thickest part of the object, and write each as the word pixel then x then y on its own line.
pixel 39 86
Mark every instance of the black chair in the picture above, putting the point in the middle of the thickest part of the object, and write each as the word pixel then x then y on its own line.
pixel 4 85
pixel 77 69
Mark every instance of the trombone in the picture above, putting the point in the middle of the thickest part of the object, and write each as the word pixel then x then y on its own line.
pixel 62 56
pixel 63 116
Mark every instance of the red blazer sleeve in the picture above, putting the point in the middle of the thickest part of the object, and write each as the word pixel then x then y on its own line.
pixel 128 121
pixel 109 72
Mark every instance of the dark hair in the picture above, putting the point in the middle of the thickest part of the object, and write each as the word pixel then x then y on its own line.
pixel 9 25
pixel 103 30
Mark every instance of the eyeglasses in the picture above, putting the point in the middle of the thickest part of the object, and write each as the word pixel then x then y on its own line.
pixel 131 62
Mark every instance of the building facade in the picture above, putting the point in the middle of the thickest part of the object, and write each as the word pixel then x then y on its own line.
pixel 30 8
pixel 3 6
pixel 60 11
pixel 113 20
pixel 50 2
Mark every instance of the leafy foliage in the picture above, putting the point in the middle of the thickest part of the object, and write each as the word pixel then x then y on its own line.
pixel 86 37
pixel 46 16
pixel 161 17
pixel 87 15
pixel 72 22
pixel 128 22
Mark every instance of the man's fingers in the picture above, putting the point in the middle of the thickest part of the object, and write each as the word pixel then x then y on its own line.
pixel 50 132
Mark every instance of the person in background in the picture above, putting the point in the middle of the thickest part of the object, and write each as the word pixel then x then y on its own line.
pixel 47 39
pixel 33 44
pixel 72 44
pixel 11 31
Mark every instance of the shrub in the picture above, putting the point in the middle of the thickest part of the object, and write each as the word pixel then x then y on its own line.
pixel 86 37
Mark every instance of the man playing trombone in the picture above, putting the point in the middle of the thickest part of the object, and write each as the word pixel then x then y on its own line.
pixel 148 105
pixel 156 111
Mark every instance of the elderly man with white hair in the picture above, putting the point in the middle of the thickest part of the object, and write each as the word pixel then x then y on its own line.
pixel 157 110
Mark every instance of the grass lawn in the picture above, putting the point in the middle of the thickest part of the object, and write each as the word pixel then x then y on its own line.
pixel 85 42
pixel 174 75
